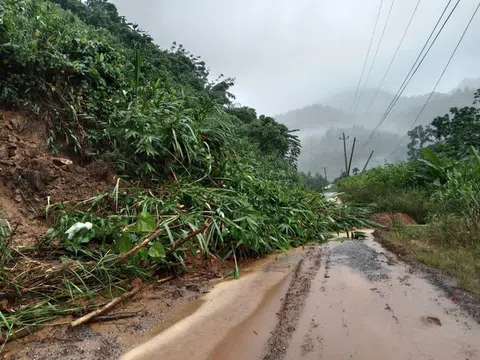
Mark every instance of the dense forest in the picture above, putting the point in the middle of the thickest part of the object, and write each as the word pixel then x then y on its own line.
pixel 195 175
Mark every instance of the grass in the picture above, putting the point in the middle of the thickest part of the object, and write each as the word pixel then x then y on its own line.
pixel 426 245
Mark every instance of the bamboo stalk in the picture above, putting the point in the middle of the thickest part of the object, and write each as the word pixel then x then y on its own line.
pixel 117 316
pixel 110 305
pixel 164 280
pixel 139 246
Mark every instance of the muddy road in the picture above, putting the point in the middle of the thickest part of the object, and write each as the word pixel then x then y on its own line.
pixel 343 300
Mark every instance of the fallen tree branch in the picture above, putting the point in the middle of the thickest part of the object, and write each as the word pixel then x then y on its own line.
pixel 164 280
pixel 110 305
pixel 143 244
pixel 116 316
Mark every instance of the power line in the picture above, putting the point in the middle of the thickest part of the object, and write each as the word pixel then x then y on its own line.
pixel 411 74
pixel 376 51
pixel 439 79
pixel 414 68
pixel 393 58
pixel 367 56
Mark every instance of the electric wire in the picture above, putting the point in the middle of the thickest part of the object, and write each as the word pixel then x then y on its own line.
pixel 413 70
pixel 376 51
pixel 393 59
pixel 438 81
pixel 367 56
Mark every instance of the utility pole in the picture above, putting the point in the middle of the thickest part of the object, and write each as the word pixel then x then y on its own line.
pixel 325 171
pixel 366 164
pixel 351 156
pixel 344 148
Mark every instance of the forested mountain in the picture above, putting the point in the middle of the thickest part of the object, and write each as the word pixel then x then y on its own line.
pixel 320 125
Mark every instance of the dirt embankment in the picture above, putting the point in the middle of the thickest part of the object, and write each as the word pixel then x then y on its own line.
pixel 31 177
pixel 388 220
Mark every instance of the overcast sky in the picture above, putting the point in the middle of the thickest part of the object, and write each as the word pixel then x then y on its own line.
pixel 286 54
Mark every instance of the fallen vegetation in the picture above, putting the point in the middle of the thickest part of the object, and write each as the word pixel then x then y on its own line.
pixel 154 166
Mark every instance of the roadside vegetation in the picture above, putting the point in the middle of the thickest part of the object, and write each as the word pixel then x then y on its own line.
pixel 440 188
pixel 196 175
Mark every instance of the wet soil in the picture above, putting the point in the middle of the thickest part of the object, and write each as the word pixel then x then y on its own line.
pixel 449 285
pixel 293 304
pixel 31 177
pixel 344 300
pixel 169 309
pixel 235 317
pixel 369 305
pixel 158 306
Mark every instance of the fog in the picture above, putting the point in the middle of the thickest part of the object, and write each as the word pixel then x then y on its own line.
pixel 288 54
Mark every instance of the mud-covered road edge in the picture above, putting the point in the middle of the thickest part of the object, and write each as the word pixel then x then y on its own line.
pixel 293 304
pixel 447 284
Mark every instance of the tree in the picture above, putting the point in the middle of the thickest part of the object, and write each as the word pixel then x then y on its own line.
pixel 419 136
pixel 316 182
pixel 245 114
pixel 355 170
pixel 451 134
pixel 456 133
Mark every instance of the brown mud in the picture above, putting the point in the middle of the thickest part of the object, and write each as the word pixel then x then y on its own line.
pixel 344 300
pixel 31 177
pixel 163 308
pixel 449 285
pixel 242 308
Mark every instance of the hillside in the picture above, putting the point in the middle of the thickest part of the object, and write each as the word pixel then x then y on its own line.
pixel 122 162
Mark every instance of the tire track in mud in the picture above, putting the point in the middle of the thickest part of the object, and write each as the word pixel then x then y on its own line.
pixel 293 304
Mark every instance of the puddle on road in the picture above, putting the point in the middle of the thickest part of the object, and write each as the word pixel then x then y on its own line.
pixel 227 310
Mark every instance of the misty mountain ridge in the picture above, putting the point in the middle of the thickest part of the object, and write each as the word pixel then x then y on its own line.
pixel 321 124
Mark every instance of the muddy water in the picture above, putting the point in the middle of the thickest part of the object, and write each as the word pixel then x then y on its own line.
pixel 365 310
pixel 230 308
pixel 350 300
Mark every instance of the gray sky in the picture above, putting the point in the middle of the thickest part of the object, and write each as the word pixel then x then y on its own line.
pixel 286 54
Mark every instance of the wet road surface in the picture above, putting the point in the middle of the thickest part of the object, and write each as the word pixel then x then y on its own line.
pixel 343 300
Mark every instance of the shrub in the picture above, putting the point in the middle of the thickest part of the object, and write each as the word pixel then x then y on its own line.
pixel 391 188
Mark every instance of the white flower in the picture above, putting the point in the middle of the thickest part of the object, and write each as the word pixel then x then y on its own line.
pixel 76 228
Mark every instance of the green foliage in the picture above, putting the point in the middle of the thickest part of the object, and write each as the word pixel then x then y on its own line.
pixel 364 188
pixel 103 89
pixel 457 133
pixel 314 182
pixel 419 136
pixel 245 114
pixel 449 135
pixel 59 68
pixel 460 192
pixel 391 188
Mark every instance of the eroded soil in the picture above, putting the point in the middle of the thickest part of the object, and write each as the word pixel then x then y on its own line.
pixel 32 178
